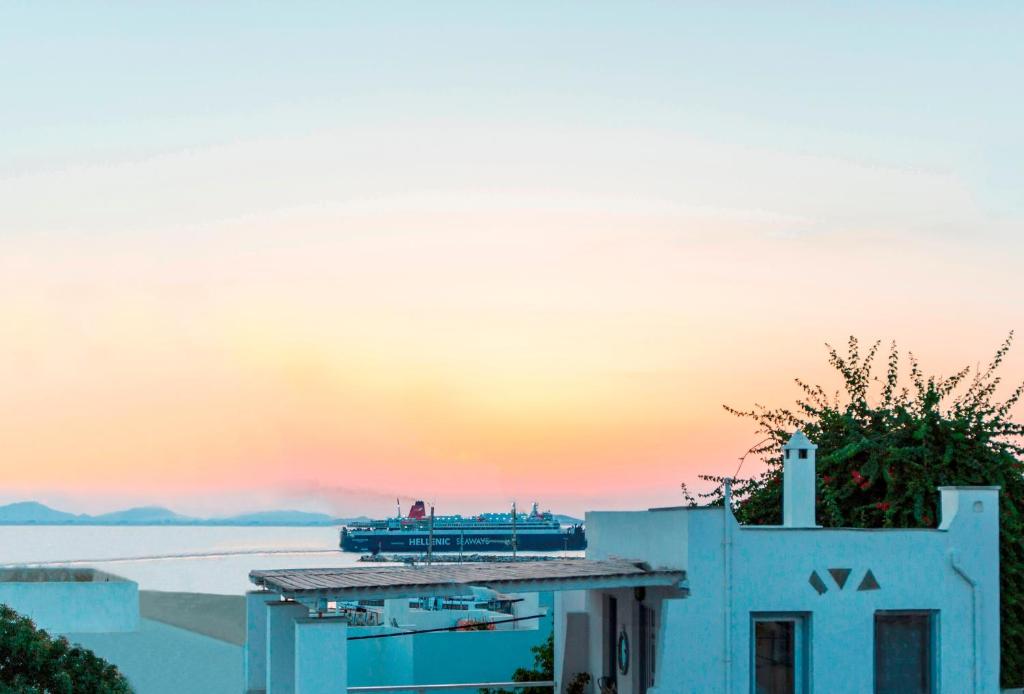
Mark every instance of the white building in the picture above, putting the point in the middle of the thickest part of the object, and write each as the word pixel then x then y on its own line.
pixel 795 608
pixel 294 645
pixel 63 600
pixel 162 642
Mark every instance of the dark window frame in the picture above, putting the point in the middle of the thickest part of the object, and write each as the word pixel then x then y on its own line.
pixel 611 606
pixel 647 639
pixel 932 659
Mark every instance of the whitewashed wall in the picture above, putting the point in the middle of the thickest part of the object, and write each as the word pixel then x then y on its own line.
pixel 769 572
pixel 107 604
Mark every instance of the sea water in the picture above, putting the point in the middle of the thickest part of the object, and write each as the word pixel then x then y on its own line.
pixel 199 559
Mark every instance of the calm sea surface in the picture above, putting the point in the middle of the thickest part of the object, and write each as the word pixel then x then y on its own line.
pixel 197 559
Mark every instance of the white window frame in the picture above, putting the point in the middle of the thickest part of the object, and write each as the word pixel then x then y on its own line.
pixel 801 647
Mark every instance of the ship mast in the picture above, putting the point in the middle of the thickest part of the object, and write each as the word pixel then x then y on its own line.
pixel 430 536
pixel 514 539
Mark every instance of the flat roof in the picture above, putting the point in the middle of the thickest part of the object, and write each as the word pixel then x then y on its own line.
pixel 59 574
pixel 218 616
pixel 357 582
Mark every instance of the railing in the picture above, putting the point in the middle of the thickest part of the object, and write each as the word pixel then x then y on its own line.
pixel 442 687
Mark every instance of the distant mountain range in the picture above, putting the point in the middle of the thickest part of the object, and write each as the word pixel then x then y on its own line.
pixel 34 513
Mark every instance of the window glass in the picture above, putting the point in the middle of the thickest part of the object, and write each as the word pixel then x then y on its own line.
pixel 612 625
pixel 774 657
pixel 647 647
pixel 903 653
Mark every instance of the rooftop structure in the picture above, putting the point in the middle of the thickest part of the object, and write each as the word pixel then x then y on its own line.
pixel 294 643
pixel 793 608
pixel 799 482
pixel 688 600
pixel 65 600
pixel 369 582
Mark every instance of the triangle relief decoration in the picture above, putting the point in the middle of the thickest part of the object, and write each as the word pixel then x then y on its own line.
pixel 869 582
pixel 840 576
pixel 817 583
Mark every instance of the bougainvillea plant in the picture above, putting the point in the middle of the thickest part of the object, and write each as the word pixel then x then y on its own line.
pixel 884 446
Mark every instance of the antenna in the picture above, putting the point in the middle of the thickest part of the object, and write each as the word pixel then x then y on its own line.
pixel 430 537
pixel 514 538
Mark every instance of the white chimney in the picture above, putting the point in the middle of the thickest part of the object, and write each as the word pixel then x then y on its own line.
pixel 799 490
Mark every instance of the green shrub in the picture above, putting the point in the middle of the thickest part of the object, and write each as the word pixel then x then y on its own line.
pixel 543 670
pixel 33 662
pixel 578 684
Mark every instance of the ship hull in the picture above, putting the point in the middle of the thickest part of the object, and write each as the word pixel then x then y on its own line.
pixel 355 541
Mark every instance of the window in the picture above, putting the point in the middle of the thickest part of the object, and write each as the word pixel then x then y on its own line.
pixel 611 620
pixel 780 661
pixel 904 652
pixel 646 648
pixel 803 454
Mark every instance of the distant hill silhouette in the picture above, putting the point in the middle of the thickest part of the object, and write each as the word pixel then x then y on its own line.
pixel 35 513
pixel 142 514
pixel 281 518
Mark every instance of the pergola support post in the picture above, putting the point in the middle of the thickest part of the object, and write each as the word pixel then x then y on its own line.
pixel 281 619
pixel 255 666
pixel 321 655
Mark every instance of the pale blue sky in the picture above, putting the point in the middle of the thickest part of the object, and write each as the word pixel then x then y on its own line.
pixel 929 86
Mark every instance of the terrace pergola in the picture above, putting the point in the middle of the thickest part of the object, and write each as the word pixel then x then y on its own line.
pixel 293 646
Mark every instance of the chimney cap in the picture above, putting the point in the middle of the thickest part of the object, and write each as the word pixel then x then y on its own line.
pixel 798 440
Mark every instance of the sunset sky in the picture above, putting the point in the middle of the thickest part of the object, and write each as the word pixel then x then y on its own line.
pixel 321 255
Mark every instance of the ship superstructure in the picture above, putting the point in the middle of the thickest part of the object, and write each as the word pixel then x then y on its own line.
pixel 488 532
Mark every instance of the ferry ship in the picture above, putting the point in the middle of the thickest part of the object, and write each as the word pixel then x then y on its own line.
pixel 488 532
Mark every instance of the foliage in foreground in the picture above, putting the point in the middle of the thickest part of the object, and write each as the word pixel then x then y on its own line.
pixel 543 670
pixel 883 449
pixel 33 662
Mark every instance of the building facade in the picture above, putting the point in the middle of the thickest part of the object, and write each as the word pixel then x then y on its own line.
pixel 297 643
pixel 65 600
pixel 792 609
